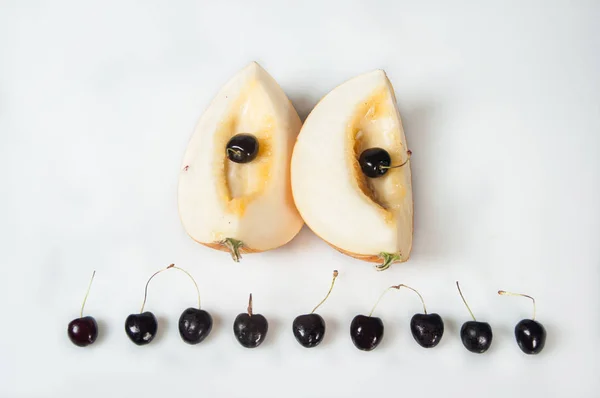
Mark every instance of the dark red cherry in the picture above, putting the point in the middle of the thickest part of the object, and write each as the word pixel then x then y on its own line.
pixel 366 332
pixel 374 162
pixel 141 328
pixel 476 336
pixel 309 329
pixel 242 148
pixel 529 333
pixel 250 329
pixel 531 336
pixel 83 331
pixel 194 325
pixel 427 329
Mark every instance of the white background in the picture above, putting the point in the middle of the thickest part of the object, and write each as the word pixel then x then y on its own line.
pixel 501 107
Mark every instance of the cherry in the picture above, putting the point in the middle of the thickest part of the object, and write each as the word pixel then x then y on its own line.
pixel 195 324
pixel 375 162
pixel 530 334
pixel 250 329
pixel 476 336
pixel 309 329
pixel 141 328
pixel 427 329
pixel 366 332
pixel 242 148
pixel 83 331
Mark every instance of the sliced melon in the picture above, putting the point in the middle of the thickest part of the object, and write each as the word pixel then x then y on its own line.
pixel 241 208
pixel 367 218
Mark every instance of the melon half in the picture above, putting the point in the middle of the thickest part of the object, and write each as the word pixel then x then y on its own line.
pixel 241 208
pixel 367 218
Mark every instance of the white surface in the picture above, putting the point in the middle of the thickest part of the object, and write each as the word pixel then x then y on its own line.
pixel 501 107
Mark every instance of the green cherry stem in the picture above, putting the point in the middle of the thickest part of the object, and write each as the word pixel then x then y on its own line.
pixel 164 269
pixel 505 293
pixel 193 280
pixel 414 290
pixel 397 287
pixel 86 294
pixel 335 275
pixel 408 153
pixel 465 301
pixel 234 151
pixel 148 282
pixel 380 297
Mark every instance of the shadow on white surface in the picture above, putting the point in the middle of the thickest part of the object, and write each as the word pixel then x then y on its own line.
pixel 273 333
pixel 503 336
pixel 553 337
pixel 451 331
pixel 423 141
pixel 332 331
pixel 217 327
pixel 390 335
pixel 103 332
pixel 304 104
pixel 163 329
pixel 304 240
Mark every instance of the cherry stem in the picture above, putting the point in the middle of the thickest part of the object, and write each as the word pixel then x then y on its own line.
pixel 414 290
pixel 158 272
pixel 380 297
pixel 147 283
pixel 234 151
pixel 86 294
pixel 505 293
pixel 193 280
pixel 465 301
pixel 335 274
pixel 408 153
pixel 397 287
pixel 250 305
